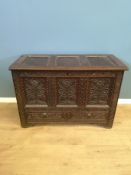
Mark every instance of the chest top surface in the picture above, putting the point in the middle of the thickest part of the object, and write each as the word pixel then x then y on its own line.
pixel 68 62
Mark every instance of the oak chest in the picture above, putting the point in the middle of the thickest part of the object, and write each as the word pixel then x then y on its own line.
pixel 69 89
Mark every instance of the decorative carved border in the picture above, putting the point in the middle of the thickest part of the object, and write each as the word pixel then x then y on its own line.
pixel 66 74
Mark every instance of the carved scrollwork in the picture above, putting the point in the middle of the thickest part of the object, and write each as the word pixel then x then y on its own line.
pixel 66 91
pixel 36 116
pixel 67 115
pixel 99 91
pixel 35 89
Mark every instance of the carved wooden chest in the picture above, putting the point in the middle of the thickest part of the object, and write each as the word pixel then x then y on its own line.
pixel 77 89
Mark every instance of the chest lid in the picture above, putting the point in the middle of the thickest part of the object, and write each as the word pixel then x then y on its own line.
pixel 68 62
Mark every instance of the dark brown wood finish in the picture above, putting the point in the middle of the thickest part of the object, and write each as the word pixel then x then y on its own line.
pixel 67 88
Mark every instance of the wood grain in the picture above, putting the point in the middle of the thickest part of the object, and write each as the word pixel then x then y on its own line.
pixel 66 149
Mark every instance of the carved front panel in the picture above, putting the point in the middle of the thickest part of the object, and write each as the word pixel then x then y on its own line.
pixel 66 91
pixel 99 91
pixel 36 90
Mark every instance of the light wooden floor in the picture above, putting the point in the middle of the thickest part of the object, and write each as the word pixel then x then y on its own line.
pixel 64 150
